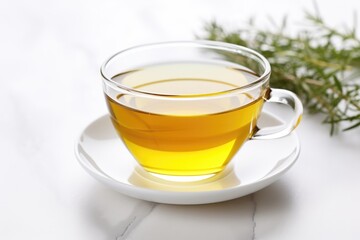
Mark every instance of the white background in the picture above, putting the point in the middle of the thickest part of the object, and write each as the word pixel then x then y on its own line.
pixel 50 54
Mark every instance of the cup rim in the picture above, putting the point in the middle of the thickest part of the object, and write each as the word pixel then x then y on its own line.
pixel 214 44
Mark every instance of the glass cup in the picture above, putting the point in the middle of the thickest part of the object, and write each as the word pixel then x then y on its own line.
pixel 186 108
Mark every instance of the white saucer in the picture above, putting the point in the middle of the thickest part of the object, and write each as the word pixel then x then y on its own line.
pixel 257 164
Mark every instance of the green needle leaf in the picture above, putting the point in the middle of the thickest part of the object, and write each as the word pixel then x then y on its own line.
pixel 320 63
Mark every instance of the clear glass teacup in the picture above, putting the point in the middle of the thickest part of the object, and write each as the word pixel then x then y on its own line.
pixel 186 108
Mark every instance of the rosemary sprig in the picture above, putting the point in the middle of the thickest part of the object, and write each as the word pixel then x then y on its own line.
pixel 320 63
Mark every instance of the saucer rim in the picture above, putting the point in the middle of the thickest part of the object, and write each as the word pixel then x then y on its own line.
pixel 185 197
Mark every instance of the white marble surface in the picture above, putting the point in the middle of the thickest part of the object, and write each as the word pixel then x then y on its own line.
pixel 50 57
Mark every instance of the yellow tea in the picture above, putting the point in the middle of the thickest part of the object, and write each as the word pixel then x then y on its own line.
pixel 189 127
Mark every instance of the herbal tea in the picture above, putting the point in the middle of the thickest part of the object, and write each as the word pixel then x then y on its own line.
pixel 177 132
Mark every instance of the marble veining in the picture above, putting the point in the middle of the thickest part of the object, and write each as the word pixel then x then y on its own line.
pixel 141 211
pixel 253 200
pixel 144 209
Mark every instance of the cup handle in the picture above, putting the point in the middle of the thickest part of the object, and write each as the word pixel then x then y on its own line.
pixel 286 97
